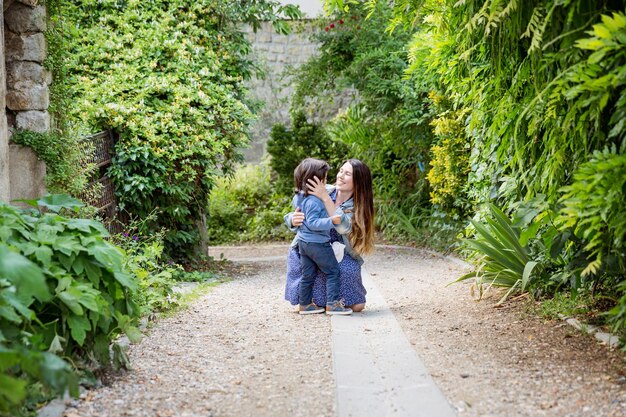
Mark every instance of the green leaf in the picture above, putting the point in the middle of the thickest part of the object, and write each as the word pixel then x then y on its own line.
pixel 109 256
pixel 14 302
pixel 58 375
pixel 79 264
pixel 120 358
pixel 67 245
pixel 26 276
pixel 93 272
pixel 8 313
pixel 86 225
pixel 133 333
pixel 79 326
pixel 101 349
pixel 57 202
pixel 43 254
pixel 71 301
pixel 528 270
pixel 56 346
pixel 12 390
pixel 126 280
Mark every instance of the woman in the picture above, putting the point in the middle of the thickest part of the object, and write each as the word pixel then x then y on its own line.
pixel 351 195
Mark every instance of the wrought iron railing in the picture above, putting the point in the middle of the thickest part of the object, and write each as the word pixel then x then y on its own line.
pixel 100 193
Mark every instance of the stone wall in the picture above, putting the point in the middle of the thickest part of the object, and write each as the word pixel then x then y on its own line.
pixel 274 52
pixel 27 94
pixel 4 134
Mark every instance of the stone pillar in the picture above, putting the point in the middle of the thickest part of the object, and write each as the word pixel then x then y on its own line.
pixel 26 97
pixel 5 192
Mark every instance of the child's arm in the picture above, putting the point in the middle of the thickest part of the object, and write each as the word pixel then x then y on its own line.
pixel 316 217
pixel 344 226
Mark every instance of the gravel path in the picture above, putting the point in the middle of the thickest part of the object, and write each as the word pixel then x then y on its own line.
pixel 240 350
pixel 257 357
pixel 496 361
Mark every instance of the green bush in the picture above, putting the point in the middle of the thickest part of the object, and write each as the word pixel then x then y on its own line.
pixel 288 147
pixel 247 207
pixel 145 260
pixel 63 290
pixel 168 76
pixel 502 261
pixel 593 207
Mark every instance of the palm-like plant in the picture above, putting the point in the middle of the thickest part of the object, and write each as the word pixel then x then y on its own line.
pixel 502 260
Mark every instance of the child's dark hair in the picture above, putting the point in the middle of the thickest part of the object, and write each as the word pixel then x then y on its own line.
pixel 307 169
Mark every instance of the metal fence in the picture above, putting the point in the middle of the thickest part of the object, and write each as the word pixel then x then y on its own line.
pixel 100 193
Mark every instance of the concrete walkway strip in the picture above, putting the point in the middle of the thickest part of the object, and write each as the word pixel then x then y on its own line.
pixel 377 371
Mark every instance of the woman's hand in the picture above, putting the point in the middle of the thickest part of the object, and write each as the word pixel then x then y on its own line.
pixel 297 218
pixel 317 188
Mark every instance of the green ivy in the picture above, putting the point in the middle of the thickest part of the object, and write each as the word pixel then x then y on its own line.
pixel 167 75
pixel 66 170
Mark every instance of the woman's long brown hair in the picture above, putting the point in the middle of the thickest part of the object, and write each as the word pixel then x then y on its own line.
pixel 362 235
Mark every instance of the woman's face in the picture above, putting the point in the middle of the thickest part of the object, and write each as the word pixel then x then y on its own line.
pixel 344 178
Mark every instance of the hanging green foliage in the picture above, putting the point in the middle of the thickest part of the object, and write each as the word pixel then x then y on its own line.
pixel 593 206
pixel 541 86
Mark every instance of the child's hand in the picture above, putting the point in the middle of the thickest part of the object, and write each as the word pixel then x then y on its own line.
pixel 336 219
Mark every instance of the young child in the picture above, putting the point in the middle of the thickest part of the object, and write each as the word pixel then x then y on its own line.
pixel 314 241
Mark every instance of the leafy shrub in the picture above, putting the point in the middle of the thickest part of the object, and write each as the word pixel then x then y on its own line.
pixel 396 156
pixel 167 75
pixel 288 147
pixel 247 207
pixel 450 163
pixel 502 260
pixel 593 206
pixel 194 276
pixel 63 290
pixel 424 226
pixel 144 259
